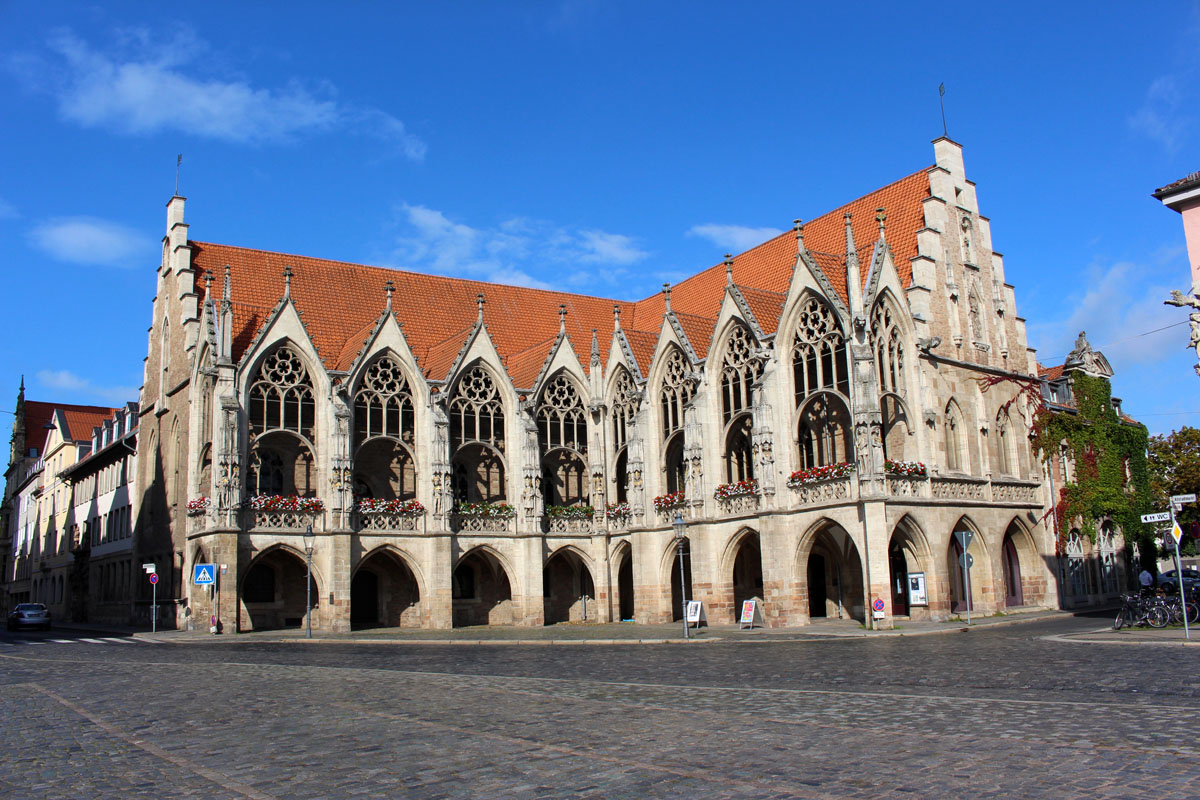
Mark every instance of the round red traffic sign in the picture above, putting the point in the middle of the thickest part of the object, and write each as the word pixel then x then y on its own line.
pixel 878 604
pixel 153 577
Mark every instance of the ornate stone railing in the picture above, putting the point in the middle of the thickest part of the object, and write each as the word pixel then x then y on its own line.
pixel 619 522
pixel 907 486
pixel 383 522
pixel 738 504
pixel 476 524
pixel 818 492
pixel 959 489
pixel 285 520
pixel 569 524
pixel 667 515
pixel 1012 491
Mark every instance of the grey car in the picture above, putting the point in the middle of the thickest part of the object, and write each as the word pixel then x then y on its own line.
pixel 29 615
pixel 1168 581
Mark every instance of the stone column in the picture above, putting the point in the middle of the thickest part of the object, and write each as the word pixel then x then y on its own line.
pixel 334 552
pixel 876 566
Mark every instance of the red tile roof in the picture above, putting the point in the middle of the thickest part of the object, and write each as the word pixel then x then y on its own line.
pixel 81 420
pixel 341 302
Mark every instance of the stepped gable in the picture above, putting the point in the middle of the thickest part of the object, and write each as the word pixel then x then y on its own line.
pixel 340 303
pixel 769 265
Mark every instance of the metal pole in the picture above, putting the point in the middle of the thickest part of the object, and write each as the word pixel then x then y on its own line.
pixel 308 597
pixel 967 572
pixel 683 593
pixel 154 607
pixel 1187 633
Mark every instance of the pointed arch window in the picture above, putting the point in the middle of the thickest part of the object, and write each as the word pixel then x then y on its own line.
pixel 562 440
pixel 625 401
pixel 818 352
pixel 477 438
pixel 281 419
pixel 384 432
pixel 823 432
pixel 954 439
pixel 740 370
pixel 888 345
pixel 676 393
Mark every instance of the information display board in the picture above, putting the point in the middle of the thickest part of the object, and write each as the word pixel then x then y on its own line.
pixel 916 589
pixel 751 615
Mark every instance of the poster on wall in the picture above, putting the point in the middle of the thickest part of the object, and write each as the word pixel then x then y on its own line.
pixel 916 589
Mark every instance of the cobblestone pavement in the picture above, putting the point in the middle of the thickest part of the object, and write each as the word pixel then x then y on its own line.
pixel 1003 712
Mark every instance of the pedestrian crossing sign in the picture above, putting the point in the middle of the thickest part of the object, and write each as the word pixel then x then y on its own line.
pixel 203 574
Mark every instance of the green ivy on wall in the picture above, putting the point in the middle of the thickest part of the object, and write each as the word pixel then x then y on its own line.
pixel 1101 444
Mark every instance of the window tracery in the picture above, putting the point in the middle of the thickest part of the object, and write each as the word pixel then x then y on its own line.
pixel 281 395
pixel 818 352
pixel 477 438
pixel 383 404
pixel 562 439
pixel 676 393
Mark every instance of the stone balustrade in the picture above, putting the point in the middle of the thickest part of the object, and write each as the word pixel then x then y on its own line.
pixel 569 524
pixel 469 523
pixel 959 488
pixel 833 490
pixel 383 522
pixel 739 504
pixel 284 520
pixel 1014 491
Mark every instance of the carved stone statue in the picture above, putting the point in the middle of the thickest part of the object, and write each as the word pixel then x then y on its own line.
pixel 1192 301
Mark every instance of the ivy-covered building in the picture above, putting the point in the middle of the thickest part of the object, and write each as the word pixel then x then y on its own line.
pixel 1095 458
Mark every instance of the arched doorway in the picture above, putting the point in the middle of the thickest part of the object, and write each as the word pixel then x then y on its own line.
pixel 273 592
pixel 978 573
pixel 1013 594
pixel 834 572
pixel 898 567
pixel 625 585
pixel 682 550
pixel 1019 565
pixel 747 573
pixel 481 591
pixel 385 592
pixel 567 589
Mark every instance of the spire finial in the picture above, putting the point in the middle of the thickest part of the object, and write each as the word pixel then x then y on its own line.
pixel 389 287
pixel 798 227
pixel 208 285
pixel 22 383
pixel 562 317
pixel 480 301
pixel 595 349
pixel 667 295
pixel 729 269
pixel 616 317
pixel 881 218
pixel 850 248
pixel 287 281
pixel 227 289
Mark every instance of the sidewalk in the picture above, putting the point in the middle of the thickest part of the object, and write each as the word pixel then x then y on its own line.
pixel 623 633
pixel 1173 636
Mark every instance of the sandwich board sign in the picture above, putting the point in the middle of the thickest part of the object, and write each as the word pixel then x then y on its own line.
pixel 695 614
pixel 204 574
pixel 751 615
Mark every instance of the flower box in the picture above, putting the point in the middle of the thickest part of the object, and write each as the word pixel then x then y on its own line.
pixel 665 502
pixel 802 477
pixel 485 510
pixel 279 502
pixel 906 469
pixel 727 491
pixel 570 512
pixel 617 510
pixel 370 505
pixel 198 506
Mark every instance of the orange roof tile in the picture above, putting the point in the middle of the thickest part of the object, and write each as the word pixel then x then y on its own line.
pixel 81 420
pixel 766 307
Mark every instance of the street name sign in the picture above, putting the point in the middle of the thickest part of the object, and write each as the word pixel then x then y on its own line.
pixel 1183 498
pixel 203 574
pixel 1162 516
pixel 149 567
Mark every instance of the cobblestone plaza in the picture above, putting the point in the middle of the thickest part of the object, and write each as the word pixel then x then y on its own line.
pixel 1001 712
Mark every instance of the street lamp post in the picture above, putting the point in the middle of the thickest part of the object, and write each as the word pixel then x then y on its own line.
pixel 308 548
pixel 680 528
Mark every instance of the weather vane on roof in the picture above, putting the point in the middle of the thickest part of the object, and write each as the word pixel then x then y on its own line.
pixel 178 161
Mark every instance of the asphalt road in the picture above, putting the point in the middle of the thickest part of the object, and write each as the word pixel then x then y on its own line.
pixel 1005 712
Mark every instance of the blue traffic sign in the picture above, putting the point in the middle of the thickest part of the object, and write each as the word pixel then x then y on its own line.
pixel 203 574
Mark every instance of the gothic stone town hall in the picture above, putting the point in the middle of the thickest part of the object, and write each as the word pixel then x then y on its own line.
pixel 469 453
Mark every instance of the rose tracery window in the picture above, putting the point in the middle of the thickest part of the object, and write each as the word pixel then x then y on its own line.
pixel 384 466
pixel 676 393
pixel 625 401
pixel 477 438
pixel 819 352
pixel 281 419
pixel 562 439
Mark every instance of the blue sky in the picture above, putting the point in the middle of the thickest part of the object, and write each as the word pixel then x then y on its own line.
pixel 600 146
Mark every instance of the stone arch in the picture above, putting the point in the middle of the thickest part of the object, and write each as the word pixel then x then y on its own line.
pixel 1019 567
pixel 386 589
pixel 823 431
pixel 909 552
pixel 954 438
pixel 896 426
pixel 563 440
pixel 831 567
pixel 568 587
pixel 671 576
pixel 980 572
pixel 624 400
pixel 481 589
pixel 271 591
pixel 478 435
pixel 742 562
pixel 384 429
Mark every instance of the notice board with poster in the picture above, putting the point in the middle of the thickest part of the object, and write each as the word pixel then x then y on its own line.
pixel 916 589
pixel 695 614
pixel 751 615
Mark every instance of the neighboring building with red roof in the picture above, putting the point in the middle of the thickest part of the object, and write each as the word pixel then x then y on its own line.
pixel 475 453
pixel 36 551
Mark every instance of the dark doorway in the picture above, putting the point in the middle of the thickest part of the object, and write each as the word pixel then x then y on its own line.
pixel 567 589
pixel 958 586
pixel 747 573
pixel 481 591
pixel 1013 596
pixel 676 598
pixel 364 598
pixel 899 574
pixel 625 587
pixel 817 595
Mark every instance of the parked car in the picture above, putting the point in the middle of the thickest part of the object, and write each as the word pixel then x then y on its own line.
pixel 29 615
pixel 1168 581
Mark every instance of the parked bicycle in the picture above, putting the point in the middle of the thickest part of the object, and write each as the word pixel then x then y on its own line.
pixel 1137 610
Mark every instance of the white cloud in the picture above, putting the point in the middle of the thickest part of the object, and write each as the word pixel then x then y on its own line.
pixel 158 88
pixel 86 240
pixel 83 390
pixel 735 238
pixel 1160 116
pixel 517 251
